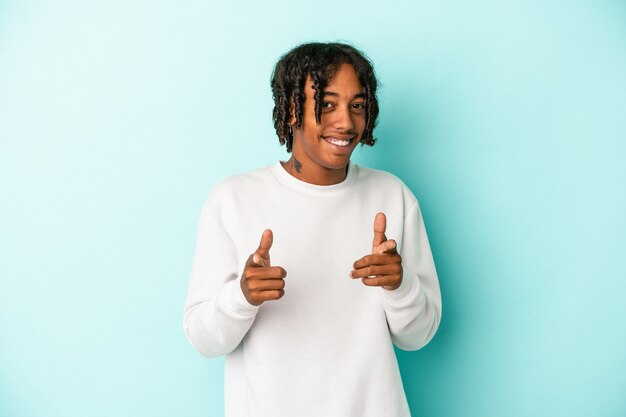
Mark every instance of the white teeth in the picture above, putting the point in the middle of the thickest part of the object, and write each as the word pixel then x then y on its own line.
pixel 337 142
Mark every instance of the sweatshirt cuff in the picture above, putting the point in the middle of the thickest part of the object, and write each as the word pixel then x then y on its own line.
pixel 234 303
pixel 405 294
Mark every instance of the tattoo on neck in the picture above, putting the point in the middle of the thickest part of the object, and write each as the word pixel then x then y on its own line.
pixel 297 165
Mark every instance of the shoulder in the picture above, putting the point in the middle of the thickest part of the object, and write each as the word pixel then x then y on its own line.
pixel 244 180
pixel 229 190
pixel 384 182
pixel 378 176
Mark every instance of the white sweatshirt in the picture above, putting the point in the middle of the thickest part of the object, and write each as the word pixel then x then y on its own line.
pixel 325 348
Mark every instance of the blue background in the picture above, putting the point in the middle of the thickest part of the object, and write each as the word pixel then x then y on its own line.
pixel 507 119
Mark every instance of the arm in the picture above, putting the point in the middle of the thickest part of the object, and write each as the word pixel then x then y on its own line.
pixel 216 315
pixel 413 310
pixel 408 280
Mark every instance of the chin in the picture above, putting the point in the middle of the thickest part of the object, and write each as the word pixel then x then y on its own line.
pixel 337 162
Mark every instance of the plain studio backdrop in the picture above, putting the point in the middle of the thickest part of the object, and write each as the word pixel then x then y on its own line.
pixel 506 119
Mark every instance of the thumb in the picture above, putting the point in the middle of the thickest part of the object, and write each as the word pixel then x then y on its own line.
pixel 261 256
pixel 380 226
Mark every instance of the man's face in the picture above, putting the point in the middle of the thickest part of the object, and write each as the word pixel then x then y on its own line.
pixel 328 145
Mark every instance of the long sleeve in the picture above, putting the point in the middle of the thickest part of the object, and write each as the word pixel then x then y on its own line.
pixel 413 311
pixel 216 315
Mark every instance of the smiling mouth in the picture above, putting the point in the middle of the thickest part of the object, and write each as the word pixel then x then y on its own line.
pixel 342 143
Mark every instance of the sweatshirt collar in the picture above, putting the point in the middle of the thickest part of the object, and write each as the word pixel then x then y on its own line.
pixel 319 190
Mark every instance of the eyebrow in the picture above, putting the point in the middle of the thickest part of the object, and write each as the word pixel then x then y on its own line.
pixel 330 93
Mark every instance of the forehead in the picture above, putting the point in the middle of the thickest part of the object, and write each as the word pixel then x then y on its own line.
pixel 344 81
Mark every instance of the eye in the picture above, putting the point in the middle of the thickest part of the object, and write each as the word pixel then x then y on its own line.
pixel 358 106
pixel 327 104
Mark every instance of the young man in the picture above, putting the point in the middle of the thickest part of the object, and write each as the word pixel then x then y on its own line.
pixel 308 319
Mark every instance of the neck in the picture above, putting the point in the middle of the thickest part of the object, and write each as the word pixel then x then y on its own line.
pixel 314 174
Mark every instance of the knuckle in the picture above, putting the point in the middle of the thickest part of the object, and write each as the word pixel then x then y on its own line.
pixel 370 282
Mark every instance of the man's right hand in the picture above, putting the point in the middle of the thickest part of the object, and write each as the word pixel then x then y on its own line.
pixel 261 282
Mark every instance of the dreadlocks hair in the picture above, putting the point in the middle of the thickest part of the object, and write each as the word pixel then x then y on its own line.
pixel 320 61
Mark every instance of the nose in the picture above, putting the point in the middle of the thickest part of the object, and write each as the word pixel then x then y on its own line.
pixel 343 119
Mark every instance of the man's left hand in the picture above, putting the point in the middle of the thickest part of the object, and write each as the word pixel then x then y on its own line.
pixel 383 268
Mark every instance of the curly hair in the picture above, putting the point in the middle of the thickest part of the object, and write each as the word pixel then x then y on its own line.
pixel 320 61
